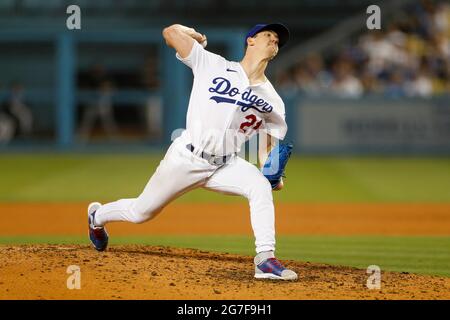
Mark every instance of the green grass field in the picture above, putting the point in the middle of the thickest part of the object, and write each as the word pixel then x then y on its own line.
pixel 425 255
pixel 84 177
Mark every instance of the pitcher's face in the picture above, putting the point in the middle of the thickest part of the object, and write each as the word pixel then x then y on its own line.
pixel 267 41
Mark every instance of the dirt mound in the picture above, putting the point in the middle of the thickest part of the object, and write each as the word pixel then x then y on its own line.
pixel 147 272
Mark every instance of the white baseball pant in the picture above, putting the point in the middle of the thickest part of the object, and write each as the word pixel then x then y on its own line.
pixel 181 171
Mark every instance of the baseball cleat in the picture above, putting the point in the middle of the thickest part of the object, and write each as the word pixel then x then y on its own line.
pixel 98 235
pixel 273 269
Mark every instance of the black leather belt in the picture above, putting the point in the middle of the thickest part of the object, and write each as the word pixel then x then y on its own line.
pixel 212 159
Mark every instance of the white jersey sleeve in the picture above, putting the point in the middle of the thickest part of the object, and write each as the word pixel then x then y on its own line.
pixel 199 58
pixel 275 123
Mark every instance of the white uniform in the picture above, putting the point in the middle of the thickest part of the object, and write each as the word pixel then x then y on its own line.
pixel 224 111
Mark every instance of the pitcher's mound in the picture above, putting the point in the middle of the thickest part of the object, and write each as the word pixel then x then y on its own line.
pixel 148 272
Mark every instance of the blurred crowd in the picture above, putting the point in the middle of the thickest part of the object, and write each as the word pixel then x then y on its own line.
pixel 106 108
pixel 410 58
pixel 16 118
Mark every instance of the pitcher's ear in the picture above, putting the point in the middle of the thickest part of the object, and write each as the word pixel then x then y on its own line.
pixel 250 41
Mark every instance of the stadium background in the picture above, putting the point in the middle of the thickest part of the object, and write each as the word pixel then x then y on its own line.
pixel 87 114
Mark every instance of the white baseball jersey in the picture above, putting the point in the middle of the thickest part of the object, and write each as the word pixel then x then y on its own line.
pixel 224 109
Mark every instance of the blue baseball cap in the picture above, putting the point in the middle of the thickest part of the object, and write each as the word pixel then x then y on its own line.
pixel 281 30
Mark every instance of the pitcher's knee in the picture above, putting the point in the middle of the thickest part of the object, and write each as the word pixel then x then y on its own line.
pixel 261 189
pixel 141 216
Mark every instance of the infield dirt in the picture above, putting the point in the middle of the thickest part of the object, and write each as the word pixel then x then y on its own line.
pixel 187 219
pixel 145 272
pixel 148 272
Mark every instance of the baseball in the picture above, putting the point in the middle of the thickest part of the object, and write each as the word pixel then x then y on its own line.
pixel 204 43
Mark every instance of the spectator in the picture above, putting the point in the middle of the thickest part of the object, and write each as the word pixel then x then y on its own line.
pixel 421 85
pixel 394 87
pixel 102 108
pixel 320 76
pixel 345 84
pixel 6 122
pixel 18 110
pixel 371 85
pixel 304 80
pixel 153 110
pixel 286 85
pixel 441 18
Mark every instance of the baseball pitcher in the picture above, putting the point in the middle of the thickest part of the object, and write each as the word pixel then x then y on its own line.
pixel 229 103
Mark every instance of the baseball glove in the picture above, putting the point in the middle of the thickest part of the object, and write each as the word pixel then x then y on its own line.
pixel 276 162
